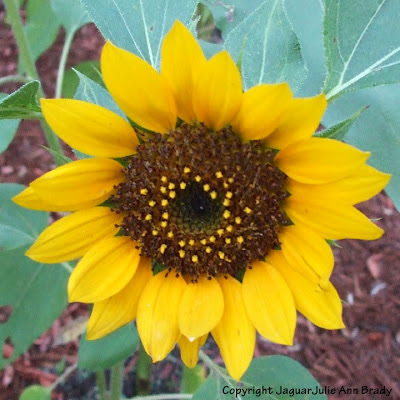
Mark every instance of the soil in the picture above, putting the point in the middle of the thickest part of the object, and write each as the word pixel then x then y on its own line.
pixel 366 352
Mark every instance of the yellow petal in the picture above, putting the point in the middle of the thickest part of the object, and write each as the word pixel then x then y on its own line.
pixel 90 128
pixel 305 250
pixel 116 311
pixel 201 307
pixel 269 303
pixel 218 92
pixel 181 62
pixel 235 334
pixel 359 186
pixel 299 122
pixel 319 160
pixel 104 270
pixel 88 181
pixel 157 315
pixel 29 199
pixel 72 236
pixel 142 93
pixel 190 350
pixel 332 220
pixel 262 110
pixel 316 299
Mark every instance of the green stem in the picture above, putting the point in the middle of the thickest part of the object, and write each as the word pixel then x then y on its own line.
pixel 25 53
pixel 172 396
pixel 53 142
pixel 117 377
pixel 63 61
pixel 62 377
pixel 14 79
pixel 143 371
pixel 101 384
pixel 213 366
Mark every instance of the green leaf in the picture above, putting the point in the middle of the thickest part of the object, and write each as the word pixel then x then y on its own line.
pixel 139 25
pixel 281 373
pixel 36 392
pixel 91 69
pixel 268 47
pixel 376 130
pixel 339 130
pixel 192 379
pixel 36 292
pixel 8 129
pixel 41 27
pixel 209 390
pixel 107 351
pixel 22 103
pixel 71 14
pixel 362 44
pixel 307 22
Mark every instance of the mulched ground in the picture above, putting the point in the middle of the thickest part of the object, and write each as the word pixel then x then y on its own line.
pixel 367 275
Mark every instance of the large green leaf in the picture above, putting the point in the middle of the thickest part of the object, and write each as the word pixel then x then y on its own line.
pixel 36 292
pixel 307 22
pixel 139 25
pixel 210 389
pixel 376 130
pixel 267 47
pixel 22 103
pixel 8 129
pixel 70 13
pixel 362 44
pixel 41 27
pixel 107 351
pixel 36 392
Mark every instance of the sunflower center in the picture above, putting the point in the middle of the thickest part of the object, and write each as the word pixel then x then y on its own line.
pixel 201 202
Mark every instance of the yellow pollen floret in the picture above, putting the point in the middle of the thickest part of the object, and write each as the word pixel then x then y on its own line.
pixel 219 174
pixel 163 189
pixel 144 191
pixel 191 242
pixel 228 240
pixel 186 170
pixel 195 258
pixel 164 202
pixel 148 217
pixel 240 239
pixel 230 180
pixel 238 220
pixel 155 232
pixel 212 238
pixel 164 224
pixel 247 210
pixel 197 178
pixel 170 234
pixel 206 187
pixel 226 202
pixel 213 194
pixel 227 214
pixel 229 228
pixel 171 186
pixel 152 203
pixel 208 250
pixel 172 194
pixel 165 215
pixel 182 243
pixel 203 241
pixel 220 232
pixel 226 185
pixel 221 255
pixel 229 195
pixel 164 179
pixel 163 248
pixel 183 185
pixel 181 253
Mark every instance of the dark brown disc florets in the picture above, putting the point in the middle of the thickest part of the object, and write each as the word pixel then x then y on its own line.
pixel 202 202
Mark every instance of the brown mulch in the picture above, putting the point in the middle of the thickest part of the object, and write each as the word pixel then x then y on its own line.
pixel 367 275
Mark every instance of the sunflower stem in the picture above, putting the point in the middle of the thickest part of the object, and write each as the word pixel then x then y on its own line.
pixel 14 79
pixel 101 384
pixel 53 143
pixel 117 377
pixel 63 61
pixel 143 372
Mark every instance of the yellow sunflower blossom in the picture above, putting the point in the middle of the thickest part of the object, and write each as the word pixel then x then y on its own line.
pixel 228 191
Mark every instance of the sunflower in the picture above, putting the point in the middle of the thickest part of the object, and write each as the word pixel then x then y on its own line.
pixel 209 213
